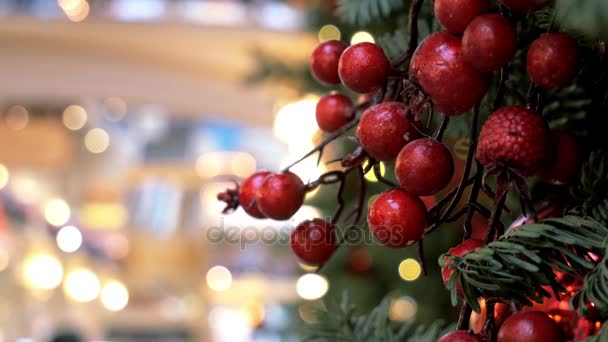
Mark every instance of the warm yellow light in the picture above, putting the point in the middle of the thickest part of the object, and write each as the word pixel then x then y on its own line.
pixel 74 117
pixel 97 140
pixel 361 37
pixel 16 118
pixel 57 212
pixel 69 239
pixel 102 215
pixel 329 32
pixel 4 259
pixel 371 176
pixel 42 272
pixel 243 164
pixel 403 309
pixel 75 10
pixel 4 176
pixel 81 285
pixel 307 268
pixel 296 122
pixel 114 296
pixel 311 286
pixel 219 278
pixel 209 165
pixel 69 5
pixel 409 269
pixel 116 108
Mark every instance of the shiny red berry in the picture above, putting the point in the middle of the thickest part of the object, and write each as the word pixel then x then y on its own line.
pixel 459 336
pixel 463 248
pixel 552 60
pixel 444 75
pixel 313 241
pixel 384 129
pixel 247 192
pixel 424 166
pixel 364 67
pixel 455 15
pixel 324 61
pixel 396 218
pixel 517 138
pixel 567 159
pixel 502 311
pixel 280 195
pixel 529 326
pixel 334 111
pixel 525 6
pixel 489 42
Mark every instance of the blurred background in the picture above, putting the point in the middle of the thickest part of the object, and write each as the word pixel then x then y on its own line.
pixel 120 121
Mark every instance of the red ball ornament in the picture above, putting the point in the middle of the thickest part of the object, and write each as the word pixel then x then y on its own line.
pixel 463 248
pixel 516 137
pixel 280 195
pixel 525 6
pixel 459 336
pixel 384 129
pixel 489 42
pixel 324 61
pixel 567 160
pixel 364 67
pixel 424 166
pixel 552 60
pixel 529 326
pixel 313 241
pixel 452 84
pixel 396 218
pixel 334 111
pixel 455 15
pixel 247 192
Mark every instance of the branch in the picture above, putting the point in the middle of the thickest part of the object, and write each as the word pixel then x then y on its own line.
pixel 412 42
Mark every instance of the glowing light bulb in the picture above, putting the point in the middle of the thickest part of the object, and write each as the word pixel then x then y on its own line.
pixel 57 212
pixel 114 296
pixel 42 271
pixel 219 278
pixel 409 269
pixel 81 285
pixel 361 37
pixel 311 286
pixel 69 239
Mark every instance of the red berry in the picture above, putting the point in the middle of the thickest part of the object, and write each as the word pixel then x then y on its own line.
pixel 280 195
pixel 529 326
pixel 463 248
pixel 324 61
pixel 247 192
pixel 364 67
pixel 552 60
pixel 567 160
pixel 516 137
pixel 334 111
pixel 396 218
pixel 313 241
pixel 525 6
pixel 489 42
pixel 424 166
pixel 444 74
pixel 459 336
pixel 384 129
pixel 502 311
pixel 455 15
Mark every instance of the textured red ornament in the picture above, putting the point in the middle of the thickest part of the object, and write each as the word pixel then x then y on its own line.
pixel 384 129
pixel 396 218
pixel 529 326
pixel 334 111
pixel 525 6
pixel 463 248
pixel 313 241
pixel 516 137
pixel 455 15
pixel 324 61
pixel 280 195
pixel 453 85
pixel 566 163
pixel 489 42
pixel 364 67
pixel 552 60
pixel 247 192
pixel 459 336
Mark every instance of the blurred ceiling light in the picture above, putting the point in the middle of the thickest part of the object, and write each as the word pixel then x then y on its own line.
pixel 81 285
pixel 361 37
pixel 209 165
pixel 97 140
pixel 117 246
pixel 42 271
pixel 4 176
pixel 16 117
pixel 219 278
pixel 371 176
pixel 74 117
pixel 329 32
pixel 69 239
pixel 103 215
pixel 409 269
pixel 4 259
pixel 296 122
pixel 57 212
pixel 69 5
pixel 75 10
pixel 114 296
pixel 311 286
pixel 116 108
pixel 243 164
pixel 403 309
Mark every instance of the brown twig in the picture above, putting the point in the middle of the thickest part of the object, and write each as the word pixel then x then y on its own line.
pixel 438 135
pixel 412 24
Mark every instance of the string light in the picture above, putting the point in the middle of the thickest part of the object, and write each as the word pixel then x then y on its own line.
pixel 97 140
pixel 81 285
pixel 69 239
pixel 42 271
pixel 311 286
pixel 409 269
pixel 114 296
pixel 74 117
pixel 329 32
pixel 57 212
pixel 361 37
pixel 219 278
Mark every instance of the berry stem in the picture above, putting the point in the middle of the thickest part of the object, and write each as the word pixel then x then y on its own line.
pixel 500 91
pixel 421 256
pixel 412 43
pixel 495 229
pixel 464 316
pixel 438 135
pixel 468 230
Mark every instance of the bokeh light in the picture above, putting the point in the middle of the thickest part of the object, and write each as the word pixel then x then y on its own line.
pixel 16 117
pixel 296 121
pixel 97 140
pixel 311 286
pixel 403 309
pixel 371 176
pixel 243 164
pixel 81 285
pixel 329 32
pixel 361 37
pixel 69 239
pixel 57 212
pixel 75 10
pixel 409 269
pixel 116 108
pixel 4 176
pixel 219 278
pixel 114 296
pixel 74 117
pixel 42 271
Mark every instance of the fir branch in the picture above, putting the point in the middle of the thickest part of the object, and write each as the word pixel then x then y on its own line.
pixel 362 12
pixel 588 16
